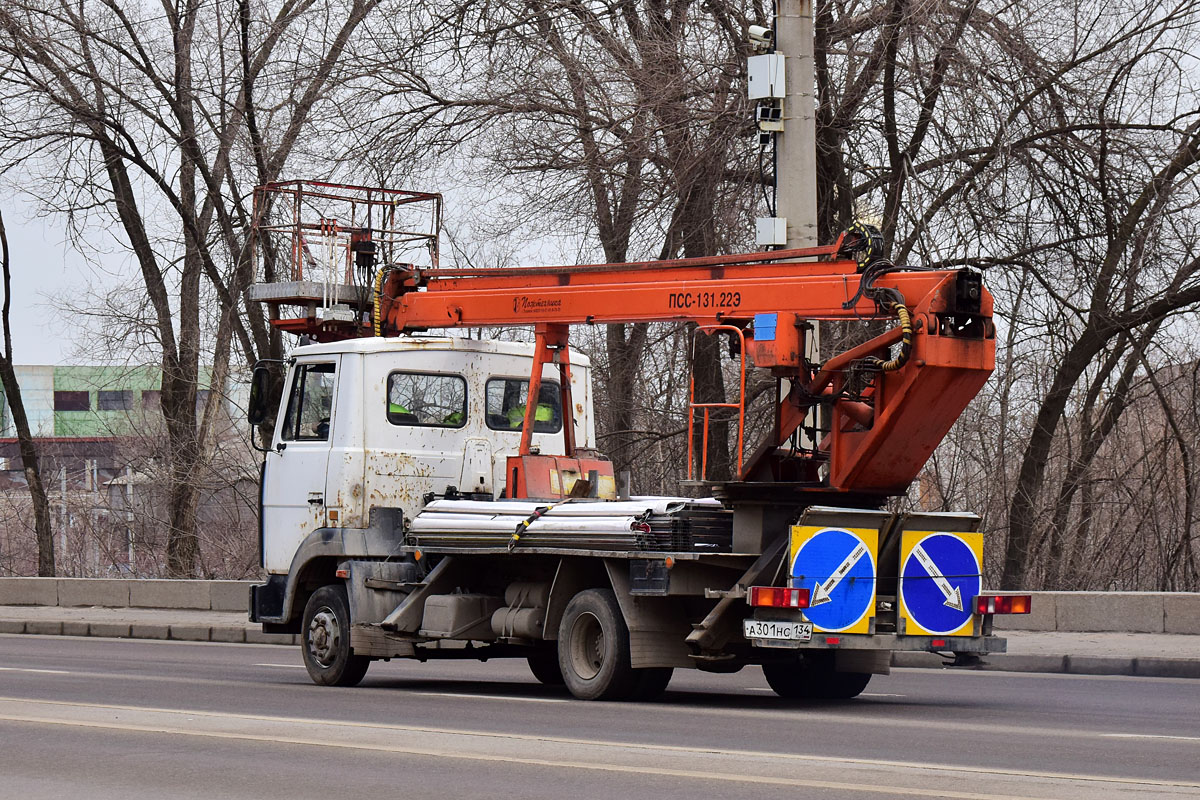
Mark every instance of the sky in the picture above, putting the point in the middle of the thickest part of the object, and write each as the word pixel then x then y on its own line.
pixel 43 266
pixel 46 267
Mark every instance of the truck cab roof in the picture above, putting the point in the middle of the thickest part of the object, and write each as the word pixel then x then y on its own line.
pixel 393 344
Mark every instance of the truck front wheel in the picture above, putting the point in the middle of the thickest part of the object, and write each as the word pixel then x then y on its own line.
pixel 813 678
pixel 593 647
pixel 326 639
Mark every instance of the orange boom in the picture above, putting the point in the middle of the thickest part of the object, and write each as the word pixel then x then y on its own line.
pixel 885 414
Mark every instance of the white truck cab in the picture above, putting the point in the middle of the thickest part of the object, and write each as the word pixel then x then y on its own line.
pixel 385 422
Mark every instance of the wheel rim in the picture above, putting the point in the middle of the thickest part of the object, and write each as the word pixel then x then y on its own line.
pixel 587 648
pixel 324 636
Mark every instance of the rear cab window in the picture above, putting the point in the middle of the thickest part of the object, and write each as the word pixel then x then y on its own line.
pixel 505 406
pixel 426 400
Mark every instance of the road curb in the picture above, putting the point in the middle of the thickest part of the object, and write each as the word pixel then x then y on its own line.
pixel 143 630
pixel 1065 664
pixel 996 663
pixel 1099 665
pixel 1167 667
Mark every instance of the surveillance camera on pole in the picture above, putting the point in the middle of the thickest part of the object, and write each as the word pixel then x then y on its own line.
pixel 761 39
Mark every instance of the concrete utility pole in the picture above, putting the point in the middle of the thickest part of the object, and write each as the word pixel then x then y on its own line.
pixel 796 176
pixel 796 167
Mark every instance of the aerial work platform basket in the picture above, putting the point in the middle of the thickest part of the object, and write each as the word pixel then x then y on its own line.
pixel 319 247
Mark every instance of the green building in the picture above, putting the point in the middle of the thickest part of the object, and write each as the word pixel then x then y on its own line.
pixel 87 401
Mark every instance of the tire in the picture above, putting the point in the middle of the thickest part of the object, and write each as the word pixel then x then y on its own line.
pixel 544 667
pixel 593 648
pixel 813 678
pixel 841 685
pixel 650 683
pixel 325 640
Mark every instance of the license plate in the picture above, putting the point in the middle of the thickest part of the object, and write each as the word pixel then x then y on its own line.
pixel 769 629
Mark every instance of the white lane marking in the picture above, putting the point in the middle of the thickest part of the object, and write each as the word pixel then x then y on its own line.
pixel 461 695
pixel 658 771
pixel 282 666
pixel 864 694
pixel 768 714
pixel 325 741
pixel 1150 736
pixel 469 696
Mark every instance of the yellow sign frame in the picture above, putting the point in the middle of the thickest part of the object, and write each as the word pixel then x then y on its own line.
pixel 801 534
pixel 908 542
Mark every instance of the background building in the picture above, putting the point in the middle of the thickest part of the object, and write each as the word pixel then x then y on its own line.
pixel 99 433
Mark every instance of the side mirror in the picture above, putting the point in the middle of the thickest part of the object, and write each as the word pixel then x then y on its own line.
pixel 260 391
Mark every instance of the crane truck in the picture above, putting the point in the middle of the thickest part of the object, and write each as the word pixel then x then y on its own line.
pixel 434 496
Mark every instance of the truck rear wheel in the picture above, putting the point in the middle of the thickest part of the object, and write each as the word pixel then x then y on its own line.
pixel 813 678
pixel 593 647
pixel 326 639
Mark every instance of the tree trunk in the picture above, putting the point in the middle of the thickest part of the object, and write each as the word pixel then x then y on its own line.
pixel 1114 407
pixel 25 443
pixel 624 365
pixel 1022 513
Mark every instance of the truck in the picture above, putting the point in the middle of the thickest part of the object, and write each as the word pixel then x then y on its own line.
pixel 431 496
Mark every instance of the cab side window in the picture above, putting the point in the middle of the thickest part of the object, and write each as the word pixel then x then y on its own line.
pixel 426 400
pixel 310 404
pixel 506 399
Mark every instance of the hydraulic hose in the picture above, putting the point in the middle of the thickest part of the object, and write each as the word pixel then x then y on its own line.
pixel 891 365
pixel 376 320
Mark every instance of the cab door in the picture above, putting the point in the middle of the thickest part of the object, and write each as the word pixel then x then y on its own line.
pixel 296 467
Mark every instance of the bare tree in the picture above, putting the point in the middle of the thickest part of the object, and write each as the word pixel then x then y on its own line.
pixel 151 119
pixel 626 126
pixel 28 448
pixel 1059 157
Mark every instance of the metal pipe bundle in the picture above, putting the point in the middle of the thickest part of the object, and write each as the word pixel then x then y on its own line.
pixel 645 524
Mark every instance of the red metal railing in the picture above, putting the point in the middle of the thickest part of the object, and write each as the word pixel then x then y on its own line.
pixel 740 405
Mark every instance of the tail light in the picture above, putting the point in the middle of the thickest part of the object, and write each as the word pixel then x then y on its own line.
pixel 778 597
pixel 1003 604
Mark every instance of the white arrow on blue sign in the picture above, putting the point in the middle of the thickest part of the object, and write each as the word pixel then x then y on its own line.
pixel 838 569
pixel 938 582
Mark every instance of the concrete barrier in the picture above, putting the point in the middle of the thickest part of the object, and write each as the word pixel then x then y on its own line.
pixel 1134 612
pixel 1101 612
pixel 133 593
pixel 93 592
pixel 170 594
pixel 28 591
pixel 1182 613
pixel 229 595
pixel 1127 612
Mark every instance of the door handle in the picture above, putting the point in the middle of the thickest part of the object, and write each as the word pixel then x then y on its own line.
pixel 315 499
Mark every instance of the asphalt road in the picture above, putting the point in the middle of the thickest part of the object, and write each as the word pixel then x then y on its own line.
pixel 98 718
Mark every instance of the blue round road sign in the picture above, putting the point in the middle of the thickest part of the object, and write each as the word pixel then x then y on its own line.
pixel 838 569
pixel 938 582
